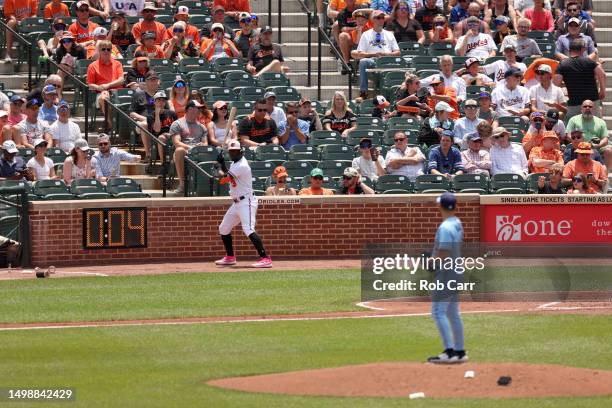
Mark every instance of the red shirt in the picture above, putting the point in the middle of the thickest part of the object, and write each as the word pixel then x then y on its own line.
pixel 234 5
pixel 540 20
pixel 100 74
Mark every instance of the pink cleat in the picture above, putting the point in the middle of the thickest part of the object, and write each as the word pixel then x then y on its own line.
pixel 263 263
pixel 226 261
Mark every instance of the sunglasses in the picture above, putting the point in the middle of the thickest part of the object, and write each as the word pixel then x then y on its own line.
pixel 497 137
pixel 261 110
pixel 178 30
pixel 538 121
pixel 291 112
pixel 365 146
pixel 346 178
pixel 66 40
pixel 318 177
pixel 179 85
pixel 83 10
pixel 572 9
pixel 281 180
pixel 577 180
pixel 576 137
pixel 541 72
pixel 587 106
pixel 103 144
pixel 59 27
pixel 379 18
pixel 403 8
pixel 217 30
pixel 401 139
pixel 470 107
pixel 245 20
pixel 223 108
pixel 148 11
pixel 105 49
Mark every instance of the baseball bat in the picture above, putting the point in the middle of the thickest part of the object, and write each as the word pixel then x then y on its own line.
pixel 228 126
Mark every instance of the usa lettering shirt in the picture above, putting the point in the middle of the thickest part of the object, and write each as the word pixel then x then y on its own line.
pixel 131 8
pixel 478 46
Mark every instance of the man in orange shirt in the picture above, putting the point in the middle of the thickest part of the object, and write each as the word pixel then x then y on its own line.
pixel 14 12
pixel 100 34
pixel 534 139
pixel 595 172
pixel 56 9
pixel 191 32
pixel 83 29
pixel 441 93
pixel 233 8
pixel 104 74
pixel 149 24
pixel 316 184
pixel 543 158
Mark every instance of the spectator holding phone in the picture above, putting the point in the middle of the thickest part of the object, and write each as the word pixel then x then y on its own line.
pixel 370 162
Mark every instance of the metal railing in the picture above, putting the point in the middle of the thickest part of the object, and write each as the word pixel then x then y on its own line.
pixel 21 204
pixel 309 18
pixel 346 66
pixel 28 48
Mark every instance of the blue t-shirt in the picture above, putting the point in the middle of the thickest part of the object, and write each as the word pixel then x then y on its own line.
pixel 293 139
pixel 458 13
pixel 450 163
pixel 48 114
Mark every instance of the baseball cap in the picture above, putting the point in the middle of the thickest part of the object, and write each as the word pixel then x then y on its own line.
pixel 32 102
pixel 509 47
pixel 49 89
pixel 473 137
pixel 63 104
pixel 66 35
pixel 3 113
pixel 436 79
pixel 544 68
pixel 443 106
pixel 501 20
pixel 470 102
pixel 10 146
pixel 316 172
pixel 471 61
pixel 484 94
pixel 217 25
pixel 269 94
pixel 537 115
pixel 179 80
pixel 16 98
pixel 82 4
pixel 234 145
pixel 350 172
pixel 38 142
pixel 552 115
pixel 447 201
pixel 81 144
pixel 498 131
pixel 574 20
pixel 550 135
pixel 362 12
pixel 148 35
pixel 305 100
pixel 160 94
pixel 217 8
pixel 99 31
pixel 448 133
pixel 103 137
pixel 219 104
pixel 280 171
pixel 245 16
pixel 381 101
pixel 193 104
pixel 584 147
pixel 472 19
pixel 365 143
pixel 266 29
pixel 513 72
pixel 377 13
pixel 117 13
pixel 182 10
pixel 149 6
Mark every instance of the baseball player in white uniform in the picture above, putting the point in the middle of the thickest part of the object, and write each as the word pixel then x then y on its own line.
pixel 244 208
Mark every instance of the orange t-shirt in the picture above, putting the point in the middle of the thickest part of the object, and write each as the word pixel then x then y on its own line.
pixel 179 108
pixel 211 51
pixel 539 153
pixel 340 5
pixel 192 33
pixel 537 138
pixel 310 191
pixel 450 92
pixel 577 167
pixel 100 74
pixel 366 27
pixel 234 5
pixel 158 28
pixel 20 9
pixel 82 34
pixel 205 119
pixel 52 12
pixel 153 53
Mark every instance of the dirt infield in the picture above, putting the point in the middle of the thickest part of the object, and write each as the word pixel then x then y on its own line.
pixel 435 381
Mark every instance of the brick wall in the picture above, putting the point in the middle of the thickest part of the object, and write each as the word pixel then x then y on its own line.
pixel 186 229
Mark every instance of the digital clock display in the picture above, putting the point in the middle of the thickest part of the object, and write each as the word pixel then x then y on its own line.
pixel 114 228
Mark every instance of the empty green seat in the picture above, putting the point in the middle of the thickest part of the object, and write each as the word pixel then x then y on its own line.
pixel 394 182
pixel 337 152
pixel 431 183
pixel 122 187
pixel 52 190
pixel 88 189
pixel 470 183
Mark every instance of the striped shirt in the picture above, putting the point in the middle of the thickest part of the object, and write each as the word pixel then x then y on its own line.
pixel 476 162
pixel 109 165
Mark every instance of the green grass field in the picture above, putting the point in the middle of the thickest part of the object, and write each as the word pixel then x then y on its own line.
pixel 167 366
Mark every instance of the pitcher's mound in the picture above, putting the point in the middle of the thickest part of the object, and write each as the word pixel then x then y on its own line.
pixel 436 381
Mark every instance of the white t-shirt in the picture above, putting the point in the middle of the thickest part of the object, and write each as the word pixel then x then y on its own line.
pixel 366 167
pixel 371 41
pixel 242 179
pixel 65 133
pixel 131 8
pixel 478 46
pixel 464 126
pixel 504 99
pixel 541 95
pixel 499 68
pixel 409 170
pixel 42 172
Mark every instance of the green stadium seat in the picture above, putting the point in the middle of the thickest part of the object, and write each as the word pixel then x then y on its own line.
pixel 425 62
pixel 368 122
pixel 259 186
pixel 334 168
pixel 491 60
pixel 393 182
pixel 161 65
pixel 393 78
pixel 220 94
pixel 411 48
pixel 9 227
pixel 337 152
pixel 228 64
pixel 203 153
pixel 270 153
pixel 200 20
pixel 424 73
pixel 189 64
pixel 470 183
pixel 243 107
pixel 124 188
pixel 270 79
pixel 541 35
pixel 548 49
pixel 388 61
pixel 512 122
pixel 324 137
pixel 250 93
pixel 25 153
pixel 234 79
pixel 389 136
pixel 356 135
pixel 56 154
pixel 431 183
pixel 366 107
pixel 122 95
pixel 52 190
pixel 475 90
pixel 459 62
pixel 509 183
pixel 88 189
pixel 262 169
pixel 298 169
pixel 516 135
pixel 439 49
pixel 285 93
pixel 304 152
pixel 201 79
pixel 403 122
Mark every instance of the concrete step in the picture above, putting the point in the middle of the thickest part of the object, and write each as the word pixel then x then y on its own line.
pixel 603 19
pixel 603 34
pixel 260 7
pixel 602 6
pixel 301 78
pixel 295 35
pixel 288 19
pixel 291 50
pixel 132 169
pixel 300 64
pixel 148 182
